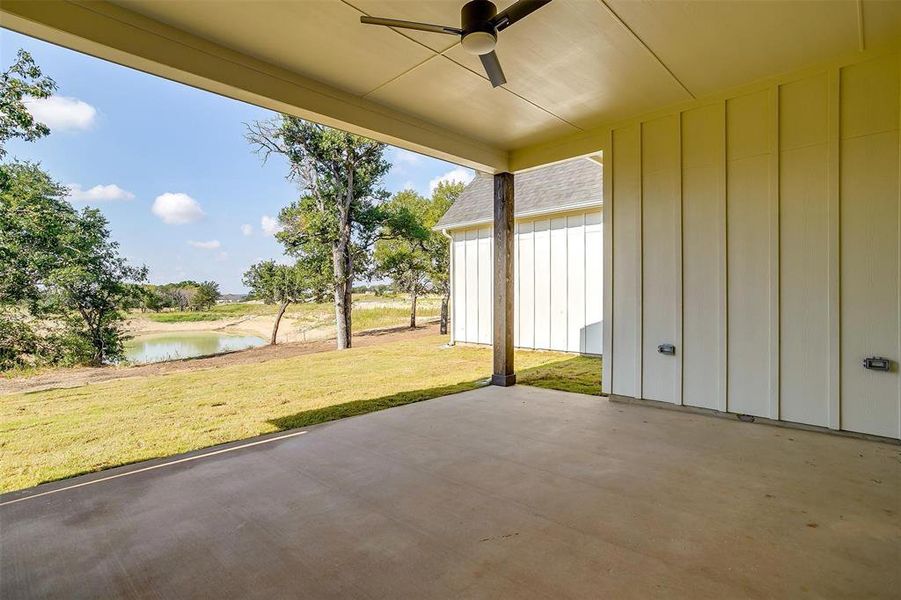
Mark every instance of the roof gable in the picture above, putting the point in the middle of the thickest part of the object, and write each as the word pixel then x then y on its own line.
pixel 560 186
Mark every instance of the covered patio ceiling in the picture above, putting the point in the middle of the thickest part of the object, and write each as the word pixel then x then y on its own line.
pixel 574 68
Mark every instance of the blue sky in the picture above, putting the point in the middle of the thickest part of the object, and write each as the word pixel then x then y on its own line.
pixel 169 167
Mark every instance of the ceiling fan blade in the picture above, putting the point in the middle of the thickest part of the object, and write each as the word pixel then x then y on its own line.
pixel 411 25
pixel 493 69
pixel 518 11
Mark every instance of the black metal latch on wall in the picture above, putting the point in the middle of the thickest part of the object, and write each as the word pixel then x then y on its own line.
pixel 877 363
pixel 669 349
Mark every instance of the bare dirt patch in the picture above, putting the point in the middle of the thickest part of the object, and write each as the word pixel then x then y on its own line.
pixel 65 378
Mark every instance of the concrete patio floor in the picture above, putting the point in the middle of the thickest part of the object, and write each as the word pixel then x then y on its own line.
pixel 496 493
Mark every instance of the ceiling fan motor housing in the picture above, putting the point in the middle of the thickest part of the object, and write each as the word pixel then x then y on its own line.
pixel 479 34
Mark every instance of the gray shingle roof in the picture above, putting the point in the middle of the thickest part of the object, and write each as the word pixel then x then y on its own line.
pixel 564 185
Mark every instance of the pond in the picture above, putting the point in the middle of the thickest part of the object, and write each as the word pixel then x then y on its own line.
pixel 185 344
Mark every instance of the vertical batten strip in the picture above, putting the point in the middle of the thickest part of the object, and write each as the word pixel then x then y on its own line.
pixel 534 288
pixel 566 271
pixel 680 272
pixel 607 220
pixel 834 246
pixel 465 284
pixel 774 253
pixel 639 272
pixel 898 430
pixel 478 285
pixel 723 398
pixel 517 287
pixel 583 339
pixel 451 305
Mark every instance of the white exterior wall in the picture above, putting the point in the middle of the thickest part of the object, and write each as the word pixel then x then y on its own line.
pixel 760 233
pixel 558 283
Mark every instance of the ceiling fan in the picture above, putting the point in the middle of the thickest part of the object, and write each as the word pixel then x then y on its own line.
pixel 479 26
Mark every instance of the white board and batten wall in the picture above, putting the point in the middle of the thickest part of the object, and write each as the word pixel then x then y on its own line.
pixel 760 232
pixel 558 282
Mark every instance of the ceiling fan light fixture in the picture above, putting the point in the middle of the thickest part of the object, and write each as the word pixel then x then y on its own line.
pixel 479 42
pixel 479 25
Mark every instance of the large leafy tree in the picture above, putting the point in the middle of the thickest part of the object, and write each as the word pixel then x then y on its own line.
pixel 411 252
pixel 21 81
pixel 61 266
pixel 90 288
pixel 63 284
pixel 402 255
pixel 338 217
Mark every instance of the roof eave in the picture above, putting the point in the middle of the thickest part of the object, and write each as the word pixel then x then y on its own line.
pixel 523 215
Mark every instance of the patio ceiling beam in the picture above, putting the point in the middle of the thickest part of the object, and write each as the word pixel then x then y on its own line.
pixel 125 37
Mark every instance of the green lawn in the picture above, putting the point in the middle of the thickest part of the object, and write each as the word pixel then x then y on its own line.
pixel 60 433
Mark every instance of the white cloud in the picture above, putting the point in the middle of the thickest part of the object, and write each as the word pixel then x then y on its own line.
pixel 62 113
pixel 177 208
pixel 247 229
pixel 270 225
pixel 99 193
pixel 458 174
pixel 405 157
pixel 210 245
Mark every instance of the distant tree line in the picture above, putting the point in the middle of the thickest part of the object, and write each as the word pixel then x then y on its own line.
pixel 182 296
pixel 63 284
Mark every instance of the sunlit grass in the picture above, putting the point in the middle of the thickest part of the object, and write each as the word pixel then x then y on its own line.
pixel 369 311
pixel 55 434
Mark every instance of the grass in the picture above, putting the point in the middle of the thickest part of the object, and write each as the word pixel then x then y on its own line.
pixel 369 311
pixel 579 374
pixel 60 433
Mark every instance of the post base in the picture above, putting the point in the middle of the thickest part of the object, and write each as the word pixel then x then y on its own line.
pixel 503 380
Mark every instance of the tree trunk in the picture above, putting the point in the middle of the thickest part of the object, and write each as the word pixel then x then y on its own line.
pixel 340 308
pixel 444 303
pixel 413 311
pixel 278 320
pixel 343 267
pixel 343 299
pixel 348 301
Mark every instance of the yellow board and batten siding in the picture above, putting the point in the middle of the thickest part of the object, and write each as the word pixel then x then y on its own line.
pixel 761 234
pixel 558 289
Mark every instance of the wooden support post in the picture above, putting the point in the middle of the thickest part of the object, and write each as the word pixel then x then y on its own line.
pixel 503 281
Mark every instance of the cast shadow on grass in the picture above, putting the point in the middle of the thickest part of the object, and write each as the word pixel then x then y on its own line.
pixel 580 374
pixel 360 407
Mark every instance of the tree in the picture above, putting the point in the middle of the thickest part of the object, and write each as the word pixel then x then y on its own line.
pixel 91 287
pixel 59 269
pixel 279 284
pixel 338 217
pixel 206 295
pixel 34 222
pixel 61 266
pixel 178 295
pixel 22 80
pixel 150 297
pixel 402 254
pixel 437 246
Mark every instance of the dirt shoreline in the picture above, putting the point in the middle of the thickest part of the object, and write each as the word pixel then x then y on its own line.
pixel 260 326
pixel 79 376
